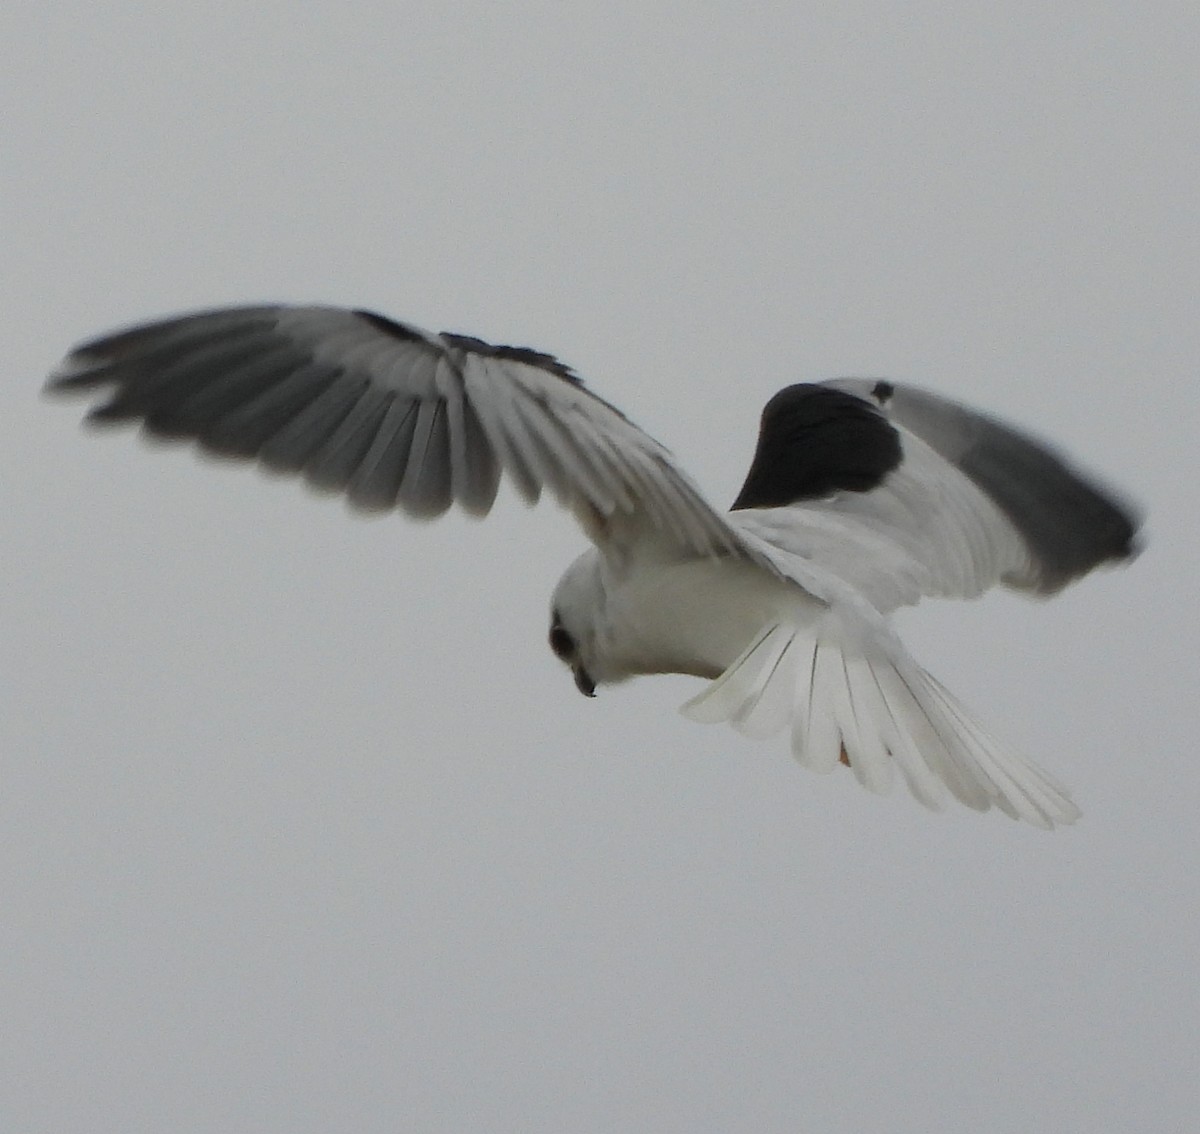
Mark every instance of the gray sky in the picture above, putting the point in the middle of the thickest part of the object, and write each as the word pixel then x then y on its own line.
pixel 304 829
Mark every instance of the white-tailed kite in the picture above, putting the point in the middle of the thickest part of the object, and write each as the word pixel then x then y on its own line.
pixel 863 496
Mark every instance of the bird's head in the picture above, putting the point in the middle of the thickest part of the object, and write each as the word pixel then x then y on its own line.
pixel 566 649
pixel 575 611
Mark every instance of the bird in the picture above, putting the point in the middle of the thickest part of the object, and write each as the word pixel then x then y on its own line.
pixel 863 496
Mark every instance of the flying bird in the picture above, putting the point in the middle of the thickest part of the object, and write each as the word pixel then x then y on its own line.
pixel 863 496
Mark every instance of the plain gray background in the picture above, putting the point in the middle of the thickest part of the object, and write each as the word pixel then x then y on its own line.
pixel 304 829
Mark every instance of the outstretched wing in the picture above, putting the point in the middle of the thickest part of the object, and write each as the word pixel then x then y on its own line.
pixel 901 493
pixel 395 417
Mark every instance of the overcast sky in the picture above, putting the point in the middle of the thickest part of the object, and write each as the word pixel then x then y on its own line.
pixel 302 826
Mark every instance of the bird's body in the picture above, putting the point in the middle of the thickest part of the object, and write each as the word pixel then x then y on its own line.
pixel 647 613
pixel 863 496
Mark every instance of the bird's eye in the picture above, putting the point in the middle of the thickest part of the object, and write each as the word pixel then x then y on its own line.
pixel 561 642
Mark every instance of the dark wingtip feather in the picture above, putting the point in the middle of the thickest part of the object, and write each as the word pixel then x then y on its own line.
pixel 1071 522
pixel 77 373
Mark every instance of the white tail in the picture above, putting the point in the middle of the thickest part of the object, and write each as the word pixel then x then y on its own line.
pixel 877 713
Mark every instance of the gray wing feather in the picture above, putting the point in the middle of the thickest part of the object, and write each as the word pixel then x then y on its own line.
pixel 294 446
pixel 426 488
pixel 475 468
pixel 376 478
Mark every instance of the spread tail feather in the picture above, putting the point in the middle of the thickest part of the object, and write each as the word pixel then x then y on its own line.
pixel 884 713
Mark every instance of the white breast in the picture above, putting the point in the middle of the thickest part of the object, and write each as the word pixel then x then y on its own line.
pixel 694 617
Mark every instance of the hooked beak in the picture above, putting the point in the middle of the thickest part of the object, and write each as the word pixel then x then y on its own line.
pixel 584 682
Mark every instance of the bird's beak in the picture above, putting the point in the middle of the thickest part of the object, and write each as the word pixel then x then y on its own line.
pixel 584 682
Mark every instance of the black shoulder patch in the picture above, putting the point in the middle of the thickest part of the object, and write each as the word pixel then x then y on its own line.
pixel 517 354
pixel 815 440
pixel 388 326
pixel 470 342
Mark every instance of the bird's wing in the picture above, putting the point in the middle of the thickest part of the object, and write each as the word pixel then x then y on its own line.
pixel 395 417
pixel 902 493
